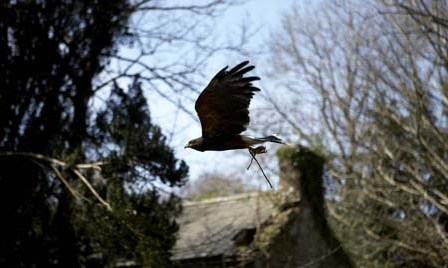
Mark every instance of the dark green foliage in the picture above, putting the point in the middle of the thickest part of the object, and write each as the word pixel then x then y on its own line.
pixel 129 139
pixel 51 52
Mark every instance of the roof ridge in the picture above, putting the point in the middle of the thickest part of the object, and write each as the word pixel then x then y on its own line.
pixel 222 199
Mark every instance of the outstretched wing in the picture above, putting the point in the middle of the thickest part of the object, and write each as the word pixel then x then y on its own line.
pixel 223 106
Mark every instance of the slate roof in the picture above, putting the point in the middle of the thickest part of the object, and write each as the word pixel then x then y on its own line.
pixel 209 228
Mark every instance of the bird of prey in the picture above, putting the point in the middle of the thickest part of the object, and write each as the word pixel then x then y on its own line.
pixel 223 109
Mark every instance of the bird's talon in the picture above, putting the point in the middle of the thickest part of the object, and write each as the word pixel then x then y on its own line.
pixel 257 150
pixel 261 150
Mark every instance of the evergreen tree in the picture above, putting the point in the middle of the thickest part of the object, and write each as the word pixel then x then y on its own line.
pixel 50 55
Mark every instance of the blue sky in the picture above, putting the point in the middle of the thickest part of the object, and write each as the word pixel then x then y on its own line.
pixel 265 16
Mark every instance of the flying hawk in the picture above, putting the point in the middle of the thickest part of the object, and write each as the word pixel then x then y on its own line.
pixel 223 109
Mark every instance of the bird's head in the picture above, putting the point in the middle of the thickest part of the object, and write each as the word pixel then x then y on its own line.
pixel 195 144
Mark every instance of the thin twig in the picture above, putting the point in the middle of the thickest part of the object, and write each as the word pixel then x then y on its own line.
pixel 95 165
pixel 53 162
pixel 262 171
pixel 34 155
pixel 92 190
pixel 251 161
pixel 65 182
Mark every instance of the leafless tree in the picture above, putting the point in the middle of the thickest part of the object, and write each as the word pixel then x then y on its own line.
pixel 373 75
pixel 167 47
pixel 170 44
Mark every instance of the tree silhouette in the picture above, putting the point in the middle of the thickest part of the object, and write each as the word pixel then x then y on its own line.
pixel 51 54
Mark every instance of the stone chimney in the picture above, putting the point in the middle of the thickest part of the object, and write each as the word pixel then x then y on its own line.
pixel 288 175
pixel 301 172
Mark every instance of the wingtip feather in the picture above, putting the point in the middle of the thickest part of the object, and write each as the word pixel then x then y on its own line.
pixel 238 66
pixel 221 72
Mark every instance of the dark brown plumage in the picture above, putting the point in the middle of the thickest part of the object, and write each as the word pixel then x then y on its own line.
pixel 223 109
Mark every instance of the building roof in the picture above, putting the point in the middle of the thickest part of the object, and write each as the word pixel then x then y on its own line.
pixel 210 228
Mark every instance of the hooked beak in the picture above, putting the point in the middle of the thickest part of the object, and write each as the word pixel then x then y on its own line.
pixel 187 146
